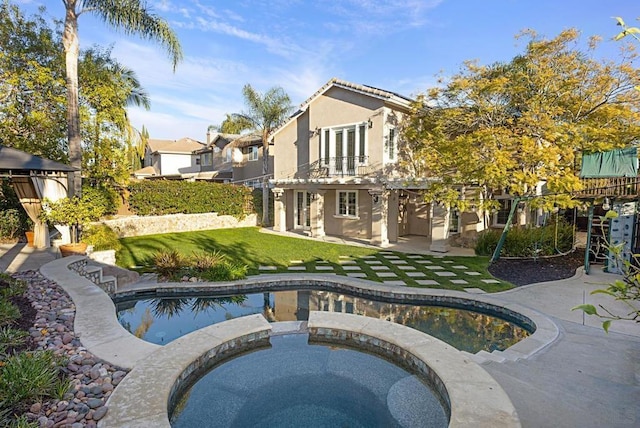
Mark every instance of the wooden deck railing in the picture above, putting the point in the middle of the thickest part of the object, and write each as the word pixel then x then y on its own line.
pixel 613 187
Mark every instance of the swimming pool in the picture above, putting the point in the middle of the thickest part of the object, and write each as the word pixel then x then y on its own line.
pixel 161 320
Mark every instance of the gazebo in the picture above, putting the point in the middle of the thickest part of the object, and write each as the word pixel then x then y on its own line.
pixel 35 178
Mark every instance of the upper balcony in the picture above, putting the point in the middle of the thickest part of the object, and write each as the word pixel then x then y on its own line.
pixel 340 166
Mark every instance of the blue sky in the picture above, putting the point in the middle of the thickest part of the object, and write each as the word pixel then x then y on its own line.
pixel 299 45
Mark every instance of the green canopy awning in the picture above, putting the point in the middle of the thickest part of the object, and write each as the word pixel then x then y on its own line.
pixel 614 163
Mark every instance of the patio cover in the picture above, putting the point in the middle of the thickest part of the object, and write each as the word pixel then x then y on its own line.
pixel 35 178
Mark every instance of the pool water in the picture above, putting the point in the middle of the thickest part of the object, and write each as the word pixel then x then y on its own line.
pixel 162 320
pixel 295 384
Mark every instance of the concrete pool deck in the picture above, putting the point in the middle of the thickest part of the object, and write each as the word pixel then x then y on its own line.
pixel 584 378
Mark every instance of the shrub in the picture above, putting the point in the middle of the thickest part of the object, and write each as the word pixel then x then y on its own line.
pixel 102 237
pixel 557 236
pixel 10 287
pixel 150 197
pixel 10 224
pixel 29 376
pixel 11 338
pixel 168 262
pixel 225 271
pixel 206 260
pixel 104 198
pixel 8 312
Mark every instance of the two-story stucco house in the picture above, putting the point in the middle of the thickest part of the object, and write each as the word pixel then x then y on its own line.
pixel 336 171
pixel 170 157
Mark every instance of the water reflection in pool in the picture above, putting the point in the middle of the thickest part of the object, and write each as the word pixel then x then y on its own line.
pixel 162 320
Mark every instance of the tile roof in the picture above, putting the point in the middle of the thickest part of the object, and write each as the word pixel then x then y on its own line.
pixel 184 145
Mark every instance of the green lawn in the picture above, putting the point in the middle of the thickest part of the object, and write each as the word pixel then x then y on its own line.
pixel 253 248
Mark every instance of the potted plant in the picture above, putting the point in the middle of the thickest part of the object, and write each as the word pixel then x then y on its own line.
pixel 73 212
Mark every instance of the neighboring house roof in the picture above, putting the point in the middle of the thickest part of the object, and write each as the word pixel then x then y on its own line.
pixel 146 171
pixel 217 139
pixel 16 161
pixel 390 97
pixel 246 141
pixel 182 146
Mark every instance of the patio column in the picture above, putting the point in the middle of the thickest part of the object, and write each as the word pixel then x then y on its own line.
pixel 280 210
pixel 439 228
pixel 379 211
pixel 317 214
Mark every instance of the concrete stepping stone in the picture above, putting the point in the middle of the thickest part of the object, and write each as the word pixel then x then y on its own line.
pixel 369 257
pixel 473 273
pixel 475 291
pixel 459 281
pixel 434 267
pixel 490 281
pixel 324 267
pixel 347 262
pixel 387 274
pixel 445 273
pixel 297 268
pixel 427 282
pixel 416 274
pixel 351 267
pixel 268 268
pixel 398 262
pixel 447 261
pixel 406 267
pixel 373 262
pixel 381 267
pixel 459 267
pixel 392 257
pixel 394 283
pixel 414 256
pixel 357 274
pixel 425 261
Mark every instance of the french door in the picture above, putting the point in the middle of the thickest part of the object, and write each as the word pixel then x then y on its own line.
pixel 303 210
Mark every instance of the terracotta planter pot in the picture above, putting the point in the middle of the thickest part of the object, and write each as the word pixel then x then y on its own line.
pixel 29 235
pixel 79 249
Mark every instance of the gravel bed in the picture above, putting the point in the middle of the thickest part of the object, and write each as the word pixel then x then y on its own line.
pixel 92 379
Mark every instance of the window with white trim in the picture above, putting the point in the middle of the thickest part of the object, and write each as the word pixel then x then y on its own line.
pixel 229 155
pixel 347 204
pixel 253 153
pixel 502 215
pixel 347 142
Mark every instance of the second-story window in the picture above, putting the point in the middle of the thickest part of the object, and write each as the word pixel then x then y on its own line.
pixel 344 147
pixel 253 153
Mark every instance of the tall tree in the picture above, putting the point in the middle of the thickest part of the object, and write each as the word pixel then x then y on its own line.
pixel 130 16
pixel 231 125
pixel 107 89
pixel 32 86
pixel 264 113
pixel 513 125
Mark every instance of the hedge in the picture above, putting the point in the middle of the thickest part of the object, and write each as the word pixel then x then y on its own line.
pixel 160 197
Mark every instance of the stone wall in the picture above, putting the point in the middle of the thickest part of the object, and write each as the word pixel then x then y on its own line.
pixel 149 225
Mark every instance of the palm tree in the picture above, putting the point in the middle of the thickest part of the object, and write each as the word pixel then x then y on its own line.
pixel 265 113
pixel 130 16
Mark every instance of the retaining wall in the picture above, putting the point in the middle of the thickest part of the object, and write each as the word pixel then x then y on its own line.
pixel 149 225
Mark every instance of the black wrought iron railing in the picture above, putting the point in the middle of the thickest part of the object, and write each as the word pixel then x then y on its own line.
pixel 339 166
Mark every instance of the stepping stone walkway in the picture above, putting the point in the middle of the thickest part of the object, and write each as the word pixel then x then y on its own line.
pixel 393 269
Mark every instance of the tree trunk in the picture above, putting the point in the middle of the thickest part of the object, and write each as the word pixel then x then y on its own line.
pixel 265 180
pixel 72 49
